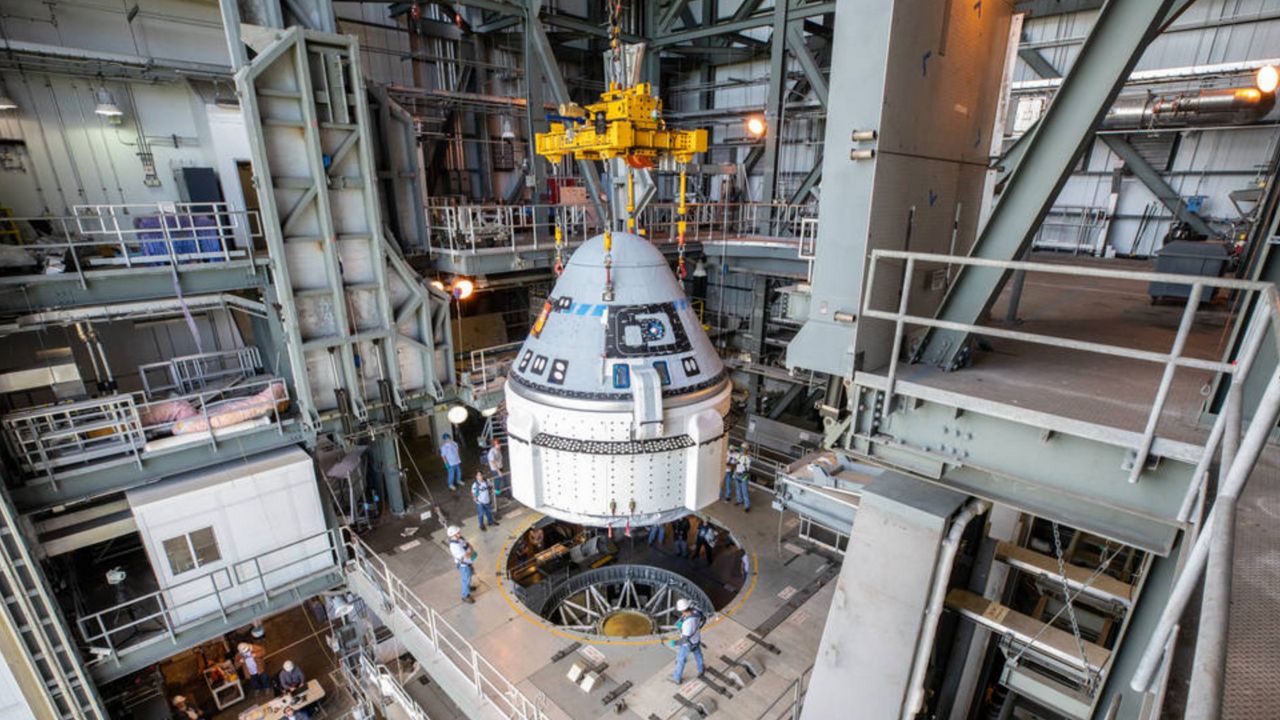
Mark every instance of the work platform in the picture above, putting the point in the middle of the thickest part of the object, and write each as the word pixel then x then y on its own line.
pixel 782 604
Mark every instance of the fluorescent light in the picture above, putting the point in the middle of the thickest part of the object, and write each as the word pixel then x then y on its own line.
pixel 107 106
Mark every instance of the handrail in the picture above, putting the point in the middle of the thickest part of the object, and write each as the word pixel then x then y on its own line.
pixel 186 373
pixel 483 356
pixel 1239 452
pixel 475 229
pixel 185 235
pixel 795 691
pixel 46 437
pixel 98 628
pixel 1171 360
pixel 489 683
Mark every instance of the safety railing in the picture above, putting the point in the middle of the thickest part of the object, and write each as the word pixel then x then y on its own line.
pixel 391 689
pixel 1073 228
pixel 120 629
pixel 192 373
pixel 1254 293
pixel 482 229
pixel 1240 448
pixel 789 702
pixel 97 237
pixel 52 439
pixel 489 682
pixel 486 364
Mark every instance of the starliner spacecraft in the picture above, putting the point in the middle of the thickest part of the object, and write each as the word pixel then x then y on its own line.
pixel 616 408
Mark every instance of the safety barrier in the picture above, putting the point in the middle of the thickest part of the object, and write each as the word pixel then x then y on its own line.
pixel 128 626
pixel 489 683
pixel 52 439
pixel 97 237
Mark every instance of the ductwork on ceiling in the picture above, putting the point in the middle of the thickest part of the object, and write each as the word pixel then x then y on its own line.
pixel 1220 106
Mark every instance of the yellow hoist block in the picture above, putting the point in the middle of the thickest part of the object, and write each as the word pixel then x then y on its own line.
pixel 626 123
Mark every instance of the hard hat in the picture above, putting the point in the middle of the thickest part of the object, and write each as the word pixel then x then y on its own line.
pixel 288 666
pixel 453 530
pixel 179 699
pixel 683 604
pixel 244 648
pixel 445 436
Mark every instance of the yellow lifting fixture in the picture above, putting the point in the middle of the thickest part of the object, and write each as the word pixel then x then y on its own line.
pixel 626 123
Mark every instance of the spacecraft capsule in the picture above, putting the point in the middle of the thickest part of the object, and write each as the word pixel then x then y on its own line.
pixel 616 408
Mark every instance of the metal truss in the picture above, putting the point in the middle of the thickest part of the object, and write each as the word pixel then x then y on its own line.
pixel 358 320
pixel 585 601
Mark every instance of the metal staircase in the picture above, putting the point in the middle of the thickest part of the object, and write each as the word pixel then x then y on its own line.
pixel 34 618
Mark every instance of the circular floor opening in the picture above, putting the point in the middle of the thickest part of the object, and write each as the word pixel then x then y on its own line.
pixel 619 586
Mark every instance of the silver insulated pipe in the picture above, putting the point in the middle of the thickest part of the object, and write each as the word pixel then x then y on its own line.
pixel 1221 106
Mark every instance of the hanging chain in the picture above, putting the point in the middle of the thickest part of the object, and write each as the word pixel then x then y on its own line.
pixel 615 41
pixel 1108 556
pixel 681 224
pixel 1066 596
pixel 559 211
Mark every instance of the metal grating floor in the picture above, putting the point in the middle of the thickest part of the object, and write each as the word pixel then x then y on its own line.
pixel 1253 646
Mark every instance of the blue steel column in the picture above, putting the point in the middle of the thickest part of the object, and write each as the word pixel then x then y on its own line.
pixel 1119 36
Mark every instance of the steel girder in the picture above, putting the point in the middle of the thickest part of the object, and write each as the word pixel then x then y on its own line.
pixel 1048 465
pixel 1120 34
pixel 358 319
pixel 536 36
pixel 1151 178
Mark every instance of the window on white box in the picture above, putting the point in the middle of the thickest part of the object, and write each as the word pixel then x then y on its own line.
pixel 193 550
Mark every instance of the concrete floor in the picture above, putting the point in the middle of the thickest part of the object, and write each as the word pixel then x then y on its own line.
pixel 774 605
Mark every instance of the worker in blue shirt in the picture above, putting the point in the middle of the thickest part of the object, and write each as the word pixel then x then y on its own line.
pixel 731 464
pixel 452 461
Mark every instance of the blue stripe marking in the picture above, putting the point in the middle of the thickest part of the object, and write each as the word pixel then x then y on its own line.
pixel 599 310
pixel 583 309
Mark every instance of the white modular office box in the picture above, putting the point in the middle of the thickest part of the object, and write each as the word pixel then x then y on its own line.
pixel 226 535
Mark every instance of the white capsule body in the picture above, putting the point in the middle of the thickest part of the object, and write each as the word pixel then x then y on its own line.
pixel 616 402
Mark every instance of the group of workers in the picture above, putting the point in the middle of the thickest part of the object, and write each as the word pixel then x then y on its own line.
pixel 705 538
pixel 484 490
pixel 251 663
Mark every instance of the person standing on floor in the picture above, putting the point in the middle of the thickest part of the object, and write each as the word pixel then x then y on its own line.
pixel 742 478
pixel 690 640
pixel 707 537
pixel 494 459
pixel 252 661
pixel 657 531
pixel 452 458
pixel 680 533
pixel 730 470
pixel 482 493
pixel 463 558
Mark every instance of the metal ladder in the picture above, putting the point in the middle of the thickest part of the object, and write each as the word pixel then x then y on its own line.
pixel 34 619
pixel 495 427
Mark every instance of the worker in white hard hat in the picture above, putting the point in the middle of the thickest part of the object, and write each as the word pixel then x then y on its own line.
pixel 291 678
pixel 252 661
pixel 463 557
pixel 690 640
pixel 184 709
